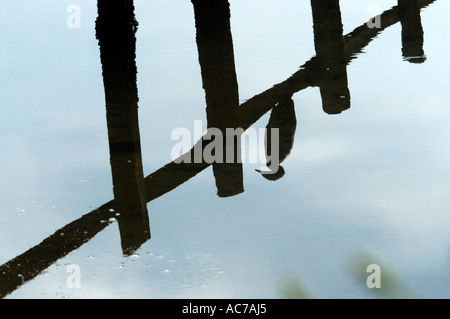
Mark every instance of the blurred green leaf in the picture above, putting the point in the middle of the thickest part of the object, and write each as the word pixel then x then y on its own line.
pixel 291 287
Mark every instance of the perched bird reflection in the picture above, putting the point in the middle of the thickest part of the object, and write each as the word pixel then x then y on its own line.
pixel 283 118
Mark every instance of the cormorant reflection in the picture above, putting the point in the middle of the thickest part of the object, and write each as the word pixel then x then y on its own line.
pixel 282 118
pixel 330 68
pixel 216 58
pixel 115 30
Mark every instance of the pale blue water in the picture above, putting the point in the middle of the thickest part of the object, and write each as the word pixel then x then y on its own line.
pixel 373 179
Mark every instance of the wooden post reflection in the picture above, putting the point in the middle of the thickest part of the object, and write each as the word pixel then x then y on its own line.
pixel 216 58
pixel 116 27
pixel 329 44
pixel 412 31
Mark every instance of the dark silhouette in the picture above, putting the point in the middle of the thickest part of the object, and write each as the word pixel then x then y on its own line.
pixel 284 119
pixel 115 30
pixel 32 262
pixel 412 31
pixel 216 58
pixel 332 65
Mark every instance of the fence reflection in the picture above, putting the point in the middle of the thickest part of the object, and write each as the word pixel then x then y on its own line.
pixel 131 190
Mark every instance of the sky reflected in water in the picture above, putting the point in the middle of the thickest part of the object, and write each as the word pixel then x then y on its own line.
pixel 371 180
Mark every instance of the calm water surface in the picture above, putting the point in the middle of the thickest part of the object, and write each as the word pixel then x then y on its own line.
pixel 367 180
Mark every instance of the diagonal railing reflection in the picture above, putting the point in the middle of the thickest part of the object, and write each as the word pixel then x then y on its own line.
pixel 31 263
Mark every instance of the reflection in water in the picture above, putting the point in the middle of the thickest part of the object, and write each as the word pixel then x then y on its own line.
pixel 284 119
pixel 330 51
pixel 119 70
pixel 116 27
pixel 31 263
pixel 216 58
pixel 412 31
